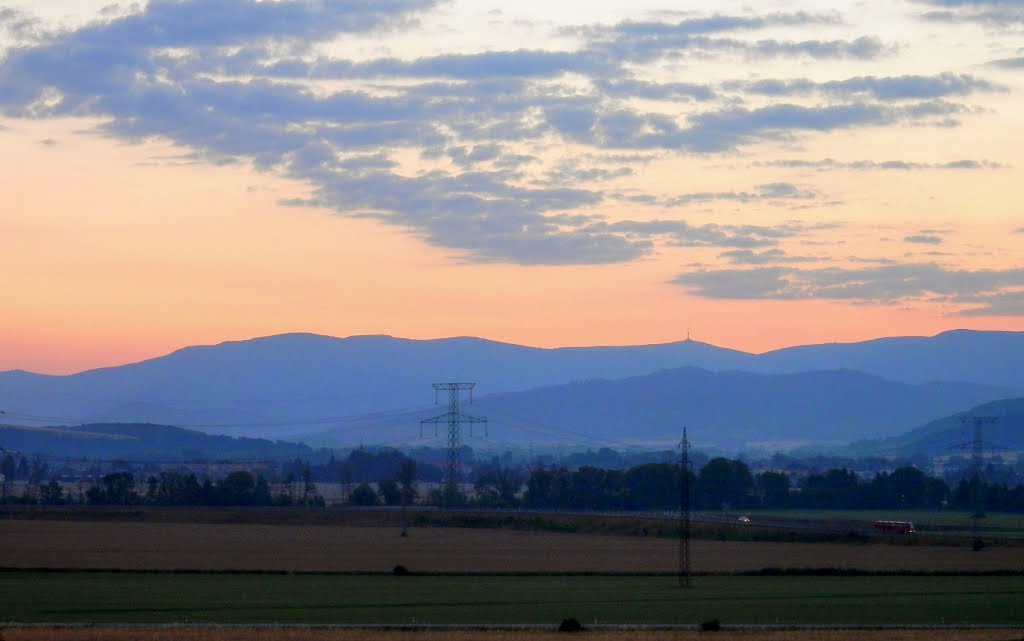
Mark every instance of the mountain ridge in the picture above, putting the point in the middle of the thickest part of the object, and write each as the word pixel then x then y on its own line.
pixel 286 385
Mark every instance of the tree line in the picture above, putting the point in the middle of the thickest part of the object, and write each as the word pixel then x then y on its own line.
pixel 391 478
pixel 239 488
pixel 729 484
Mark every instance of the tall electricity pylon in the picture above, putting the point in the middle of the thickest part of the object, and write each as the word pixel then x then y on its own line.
pixel 454 417
pixel 685 579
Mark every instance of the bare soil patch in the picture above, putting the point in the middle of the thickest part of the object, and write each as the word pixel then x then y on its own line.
pixel 365 548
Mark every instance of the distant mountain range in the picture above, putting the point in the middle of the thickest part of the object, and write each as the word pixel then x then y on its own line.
pixel 303 386
pixel 142 442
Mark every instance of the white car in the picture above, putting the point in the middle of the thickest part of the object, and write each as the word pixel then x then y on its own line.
pixel 744 519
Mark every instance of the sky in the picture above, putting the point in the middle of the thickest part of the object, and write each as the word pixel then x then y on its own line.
pixel 180 172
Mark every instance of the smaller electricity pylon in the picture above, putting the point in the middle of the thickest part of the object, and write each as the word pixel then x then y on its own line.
pixel 685 580
pixel 454 417
pixel 977 445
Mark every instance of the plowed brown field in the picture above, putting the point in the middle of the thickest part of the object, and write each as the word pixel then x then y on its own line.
pixel 225 546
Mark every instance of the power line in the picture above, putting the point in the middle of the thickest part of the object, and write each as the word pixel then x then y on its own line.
pixel 558 432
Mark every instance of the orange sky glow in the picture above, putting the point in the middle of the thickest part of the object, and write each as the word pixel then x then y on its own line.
pixel 119 247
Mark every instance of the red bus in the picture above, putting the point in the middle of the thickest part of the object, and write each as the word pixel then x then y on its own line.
pixel 899 527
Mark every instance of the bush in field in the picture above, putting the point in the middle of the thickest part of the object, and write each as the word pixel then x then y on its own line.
pixel 570 625
pixel 714 625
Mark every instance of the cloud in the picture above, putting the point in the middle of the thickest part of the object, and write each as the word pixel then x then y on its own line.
pixel 683 234
pixel 625 87
pixel 653 47
pixel 881 165
pixel 1008 63
pixel 769 191
pixel 766 257
pixel 881 88
pixel 998 304
pixel 19 25
pixel 217 23
pixel 923 239
pixel 992 13
pixel 520 63
pixel 235 81
pixel 647 41
pixel 722 23
pixel 571 171
pixel 725 129
pixel 480 213
pixel 887 284
pixel 722 130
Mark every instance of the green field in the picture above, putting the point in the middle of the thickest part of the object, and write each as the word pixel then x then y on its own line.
pixel 132 597
pixel 1002 524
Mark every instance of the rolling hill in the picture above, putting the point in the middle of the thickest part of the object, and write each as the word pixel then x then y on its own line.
pixel 141 442
pixel 727 410
pixel 943 435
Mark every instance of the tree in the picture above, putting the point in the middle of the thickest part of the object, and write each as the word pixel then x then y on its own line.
pixel 364 495
pixel 654 486
pixel 538 488
pixel 289 481
pixel 907 487
pixel 175 488
pixel 119 488
pixel 407 477
pixel 237 488
pixel 497 487
pixel 390 493
pixel 310 495
pixel 51 493
pixel 7 468
pixel 22 473
pixel 548 488
pixel 38 472
pixel 724 483
pixel 836 488
pixel 936 493
pixel 590 487
pixel 773 488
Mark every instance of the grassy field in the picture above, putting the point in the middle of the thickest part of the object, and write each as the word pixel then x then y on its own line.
pixel 186 633
pixel 1001 524
pixel 248 598
pixel 365 548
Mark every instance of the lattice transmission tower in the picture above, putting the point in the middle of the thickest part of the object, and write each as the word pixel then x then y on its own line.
pixel 977 445
pixel 455 418
pixel 685 579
